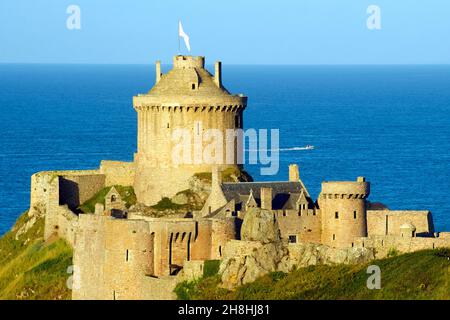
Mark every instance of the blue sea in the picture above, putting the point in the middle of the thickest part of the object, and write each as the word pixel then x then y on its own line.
pixel 390 124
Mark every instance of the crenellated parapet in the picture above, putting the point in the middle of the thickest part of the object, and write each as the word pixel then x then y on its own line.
pixel 359 189
pixel 145 104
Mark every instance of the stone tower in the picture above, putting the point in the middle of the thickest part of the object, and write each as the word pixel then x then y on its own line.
pixel 187 97
pixel 343 209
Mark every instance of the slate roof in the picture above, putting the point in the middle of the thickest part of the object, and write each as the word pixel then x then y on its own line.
pixel 284 193
pixel 174 82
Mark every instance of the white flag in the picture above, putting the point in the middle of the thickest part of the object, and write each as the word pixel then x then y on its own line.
pixel 184 36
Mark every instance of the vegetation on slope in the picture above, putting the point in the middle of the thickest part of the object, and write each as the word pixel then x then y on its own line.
pixel 188 290
pixel 228 175
pixel 126 193
pixel 31 268
pixel 418 275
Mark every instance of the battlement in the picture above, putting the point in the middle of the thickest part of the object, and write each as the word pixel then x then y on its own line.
pixel 188 62
pixel 359 189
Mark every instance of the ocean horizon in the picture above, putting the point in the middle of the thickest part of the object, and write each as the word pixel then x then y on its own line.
pixel 388 123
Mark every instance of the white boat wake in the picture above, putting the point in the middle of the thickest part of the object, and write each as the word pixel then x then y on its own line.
pixel 307 147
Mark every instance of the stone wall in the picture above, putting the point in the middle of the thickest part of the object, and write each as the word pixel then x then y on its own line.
pixel 385 244
pixel 305 225
pixel 58 194
pixel 76 188
pixel 222 231
pixel 201 246
pixel 388 222
pixel 118 172
pixel 192 270
pixel 130 258
pixel 113 258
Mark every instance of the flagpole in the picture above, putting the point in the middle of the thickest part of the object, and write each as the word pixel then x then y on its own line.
pixel 178 36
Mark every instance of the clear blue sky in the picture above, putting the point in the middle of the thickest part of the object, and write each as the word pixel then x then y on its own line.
pixel 236 32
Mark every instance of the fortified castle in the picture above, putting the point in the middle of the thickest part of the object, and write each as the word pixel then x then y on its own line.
pixel 120 252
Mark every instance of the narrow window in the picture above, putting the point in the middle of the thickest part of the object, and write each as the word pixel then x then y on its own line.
pixel 127 256
pixel 336 215
pixel 220 251
pixel 193 86
pixel 168 126
pixel 354 214
pixel 334 237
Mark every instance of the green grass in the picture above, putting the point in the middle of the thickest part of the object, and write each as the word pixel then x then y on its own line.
pixel 419 275
pixel 227 175
pixel 126 193
pixel 211 268
pixel 208 284
pixel 30 268
pixel 167 204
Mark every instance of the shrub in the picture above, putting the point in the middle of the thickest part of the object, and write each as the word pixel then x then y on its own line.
pixel 392 252
pixel 277 276
pixel 126 193
pixel 184 290
pixel 442 253
pixel 166 204
pixel 211 268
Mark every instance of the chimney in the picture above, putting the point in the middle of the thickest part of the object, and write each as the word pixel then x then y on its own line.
pixel 266 198
pixel 216 177
pixel 294 175
pixel 218 74
pixel 158 71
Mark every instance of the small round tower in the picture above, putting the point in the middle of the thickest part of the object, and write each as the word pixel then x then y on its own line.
pixel 176 112
pixel 343 210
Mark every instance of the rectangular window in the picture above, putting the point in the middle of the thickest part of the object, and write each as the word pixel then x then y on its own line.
pixel 354 214
pixel 334 237
pixel 127 256
pixel 336 215
pixel 292 239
